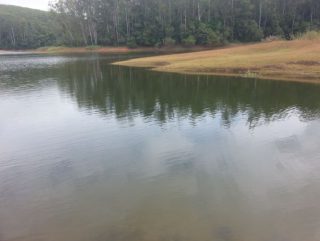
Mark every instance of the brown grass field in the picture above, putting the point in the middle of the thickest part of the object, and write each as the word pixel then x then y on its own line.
pixel 297 60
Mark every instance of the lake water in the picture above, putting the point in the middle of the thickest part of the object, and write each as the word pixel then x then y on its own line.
pixel 95 152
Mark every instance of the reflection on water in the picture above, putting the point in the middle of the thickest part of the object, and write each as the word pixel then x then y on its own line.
pixel 90 151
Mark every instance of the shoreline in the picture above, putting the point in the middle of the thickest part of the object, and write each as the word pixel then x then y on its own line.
pixel 105 50
pixel 296 61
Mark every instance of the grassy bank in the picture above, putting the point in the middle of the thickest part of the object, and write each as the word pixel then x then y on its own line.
pixel 297 60
pixel 93 49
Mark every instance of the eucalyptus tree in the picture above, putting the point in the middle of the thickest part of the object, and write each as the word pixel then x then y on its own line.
pixel 155 22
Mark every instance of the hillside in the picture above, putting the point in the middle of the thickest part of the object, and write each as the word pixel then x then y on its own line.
pixel 297 60
pixel 22 28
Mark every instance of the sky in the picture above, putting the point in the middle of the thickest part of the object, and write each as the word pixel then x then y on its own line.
pixel 36 4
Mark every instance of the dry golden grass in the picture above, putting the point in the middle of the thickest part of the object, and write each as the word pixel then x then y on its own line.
pixel 297 60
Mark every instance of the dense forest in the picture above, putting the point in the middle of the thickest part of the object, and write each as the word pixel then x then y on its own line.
pixel 22 28
pixel 156 23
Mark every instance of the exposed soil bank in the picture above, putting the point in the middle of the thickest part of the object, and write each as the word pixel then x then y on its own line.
pixel 297 60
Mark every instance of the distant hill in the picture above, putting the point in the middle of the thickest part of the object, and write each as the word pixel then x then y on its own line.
pixel 22 28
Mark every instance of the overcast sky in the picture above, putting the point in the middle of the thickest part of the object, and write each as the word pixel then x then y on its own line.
pixel 37 4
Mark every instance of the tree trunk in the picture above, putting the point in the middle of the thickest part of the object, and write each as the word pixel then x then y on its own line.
pixel 311 17
pixel 199 15
pixel 209 11
pixel 185 18
pixel 127 21
pixel 260 13
pixel 293 22
pixel 233 20
pixel 83 33
pixel 13 37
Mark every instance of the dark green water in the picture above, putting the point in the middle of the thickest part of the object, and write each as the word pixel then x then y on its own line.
pixel 93 152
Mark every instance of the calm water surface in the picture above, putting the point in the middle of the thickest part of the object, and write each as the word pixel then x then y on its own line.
pixel 94 152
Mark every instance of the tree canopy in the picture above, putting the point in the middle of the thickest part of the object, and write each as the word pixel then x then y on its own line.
pixel 156 23
pixel 22 28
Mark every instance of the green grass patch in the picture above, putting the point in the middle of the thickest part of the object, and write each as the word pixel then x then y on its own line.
pixel 93 47
pixel 51 48
pixel 250 74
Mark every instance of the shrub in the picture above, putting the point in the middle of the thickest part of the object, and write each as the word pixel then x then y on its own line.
pixel 214 38
pixel 131 43
pixel 189 41
pixel 169 41
pixel 205 35
pixel 248 31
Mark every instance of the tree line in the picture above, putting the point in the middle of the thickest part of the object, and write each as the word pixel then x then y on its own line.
pixel 158 23
pixel 189 22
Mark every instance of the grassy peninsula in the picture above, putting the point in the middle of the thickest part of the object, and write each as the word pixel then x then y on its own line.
pixel 297 60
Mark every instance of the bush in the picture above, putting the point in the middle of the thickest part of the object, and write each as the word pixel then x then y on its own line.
pixel 205 35
pixel 169 41
pixel 214 38
pixel 189 41
pixel 248 31
pixel 131 43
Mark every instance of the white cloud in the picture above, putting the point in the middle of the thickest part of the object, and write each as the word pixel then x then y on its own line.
pixel 36 4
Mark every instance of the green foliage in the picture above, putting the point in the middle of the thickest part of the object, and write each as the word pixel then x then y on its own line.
pixel 245 28
pixel 272 27
pixel 205 35
pixel 22 28
pixel 250 74
pixel 131 43
pixel 214 38
pixel 93 47
pixel 169 41
pixel 189 41
pixel 248 31
pixel 155 23
pixel 51 48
